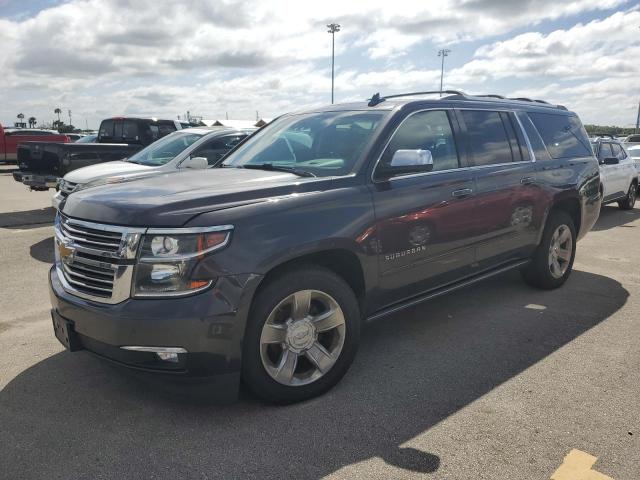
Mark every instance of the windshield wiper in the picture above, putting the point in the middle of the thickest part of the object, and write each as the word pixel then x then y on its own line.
pixel 278 168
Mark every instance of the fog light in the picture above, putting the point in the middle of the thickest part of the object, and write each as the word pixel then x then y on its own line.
pixel 167 354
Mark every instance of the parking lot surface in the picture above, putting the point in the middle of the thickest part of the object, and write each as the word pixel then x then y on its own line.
pixel 497 381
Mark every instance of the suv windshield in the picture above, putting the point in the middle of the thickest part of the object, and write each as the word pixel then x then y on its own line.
pixel 323 144
pixel 165 149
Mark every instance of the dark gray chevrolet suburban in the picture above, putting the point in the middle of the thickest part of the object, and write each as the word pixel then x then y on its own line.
pixel 265 268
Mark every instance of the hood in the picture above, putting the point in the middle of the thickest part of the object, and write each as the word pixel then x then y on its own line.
pixel 107 169
pixel 171 199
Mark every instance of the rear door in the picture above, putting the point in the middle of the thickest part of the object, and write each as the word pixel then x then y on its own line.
pixel 506 192
pixel 424 220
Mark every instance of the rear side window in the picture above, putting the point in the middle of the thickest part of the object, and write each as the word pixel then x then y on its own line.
pixel 490 137
pixel 537 145
pixel 563 135
pixel 429 130
pixel 130 130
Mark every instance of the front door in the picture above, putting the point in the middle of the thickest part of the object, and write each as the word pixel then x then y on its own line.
pixel 424 220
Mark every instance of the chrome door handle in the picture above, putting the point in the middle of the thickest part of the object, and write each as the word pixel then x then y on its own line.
pixel 462 193
pixel 527 180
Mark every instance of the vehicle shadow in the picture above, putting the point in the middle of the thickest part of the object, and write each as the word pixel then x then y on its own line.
pixel 78 416
pixel 27 219
pixel 611 217
pixel 43 250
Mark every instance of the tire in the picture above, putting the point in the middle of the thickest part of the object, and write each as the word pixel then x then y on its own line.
pixel 630 200
pixel 542 272
pixel 276 334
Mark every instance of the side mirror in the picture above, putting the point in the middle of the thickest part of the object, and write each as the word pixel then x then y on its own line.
pixel 197 163
pixel 611 161
pixel 422 159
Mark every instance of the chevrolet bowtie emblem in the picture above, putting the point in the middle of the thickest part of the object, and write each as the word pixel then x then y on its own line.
pixel 67 252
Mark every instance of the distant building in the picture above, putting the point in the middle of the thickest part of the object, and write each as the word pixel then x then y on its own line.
pixel 235 123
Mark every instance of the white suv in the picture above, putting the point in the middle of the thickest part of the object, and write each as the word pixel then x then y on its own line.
pixel 618 175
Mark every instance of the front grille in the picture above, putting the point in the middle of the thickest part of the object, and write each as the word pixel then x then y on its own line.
pixel 82 236
pixel 95 261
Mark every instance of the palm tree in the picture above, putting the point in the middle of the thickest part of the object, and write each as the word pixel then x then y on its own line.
pixel 57 111
pixel 20 117
pixel 32 122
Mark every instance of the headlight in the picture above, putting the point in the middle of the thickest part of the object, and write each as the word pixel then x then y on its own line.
pixel 168 258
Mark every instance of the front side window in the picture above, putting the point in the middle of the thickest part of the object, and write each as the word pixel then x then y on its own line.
pixel 605 151
pixel 215 149
pixel 164 150
pixel 322 144
pixel 429 130
pixel 618 151
pixel 564 135
pixel 489 140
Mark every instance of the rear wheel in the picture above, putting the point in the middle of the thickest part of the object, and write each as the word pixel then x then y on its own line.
pixel 302 335
pixel 630 200
pixel 552 262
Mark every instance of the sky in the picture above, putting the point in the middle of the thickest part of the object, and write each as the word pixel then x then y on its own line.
pixel 248 58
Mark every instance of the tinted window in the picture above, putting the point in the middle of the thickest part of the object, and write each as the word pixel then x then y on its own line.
pixel 106 129
pixel 618 152
pixel 215 149
pixel 488 140
pixel 537 145
pixel 30 132
pixel 563 135
pixel 324 143
pixel 422 131
pixel 129 130
pixel 166 129
pixel 117 131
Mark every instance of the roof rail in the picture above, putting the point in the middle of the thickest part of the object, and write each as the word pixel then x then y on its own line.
pixel 377 99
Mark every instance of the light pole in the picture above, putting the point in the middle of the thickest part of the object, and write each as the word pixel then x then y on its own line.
pixel 638 119
pixel 442 53
pixel 333 28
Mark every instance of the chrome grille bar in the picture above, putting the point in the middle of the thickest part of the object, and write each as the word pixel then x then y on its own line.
pixel 94 261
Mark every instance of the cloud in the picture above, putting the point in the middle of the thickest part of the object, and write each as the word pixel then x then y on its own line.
pixel 212 56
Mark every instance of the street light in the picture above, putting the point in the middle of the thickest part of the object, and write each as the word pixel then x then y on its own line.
pixel 333 28
pixel 442 53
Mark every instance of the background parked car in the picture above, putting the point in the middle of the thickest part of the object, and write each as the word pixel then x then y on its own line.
pixel 43 163
pixel 634 153
pixel 618 176
pixel 91 138
pixel 10 138
pixel 199 147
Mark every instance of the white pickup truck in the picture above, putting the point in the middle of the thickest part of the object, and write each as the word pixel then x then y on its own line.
pixel 618 174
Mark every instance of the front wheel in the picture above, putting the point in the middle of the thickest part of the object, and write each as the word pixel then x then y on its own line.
pixel 302 335
pixel 630 200
pixel 552 262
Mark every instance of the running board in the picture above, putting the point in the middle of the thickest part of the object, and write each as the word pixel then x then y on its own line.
pixel 444 290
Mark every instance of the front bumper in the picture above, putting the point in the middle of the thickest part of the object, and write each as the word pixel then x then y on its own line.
pixel 209 326
pixel 35 180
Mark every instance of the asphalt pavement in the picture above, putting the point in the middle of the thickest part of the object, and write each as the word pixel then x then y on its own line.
pixel 497 381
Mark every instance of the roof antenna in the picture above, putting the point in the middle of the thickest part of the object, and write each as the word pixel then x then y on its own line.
pixel 375 100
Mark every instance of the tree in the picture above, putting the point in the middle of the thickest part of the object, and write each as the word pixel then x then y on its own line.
pixel 20 119
pixel 57 111
pixel 32 122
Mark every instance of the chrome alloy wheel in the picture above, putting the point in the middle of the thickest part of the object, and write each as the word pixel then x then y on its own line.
pixel 631 195
pixel 560 251
pixel 302 338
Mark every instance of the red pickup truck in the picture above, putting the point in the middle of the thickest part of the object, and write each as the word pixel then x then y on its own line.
pixel 11 137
